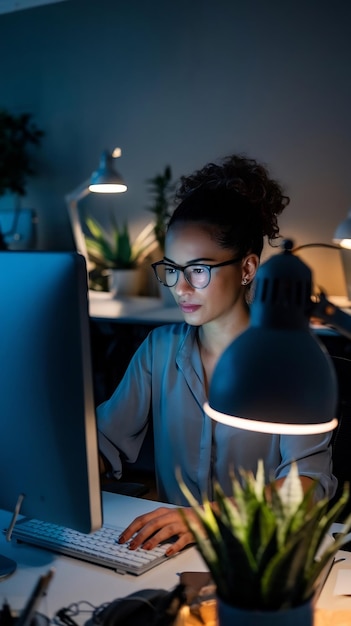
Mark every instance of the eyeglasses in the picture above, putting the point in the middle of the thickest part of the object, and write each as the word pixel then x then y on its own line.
pixel 197 275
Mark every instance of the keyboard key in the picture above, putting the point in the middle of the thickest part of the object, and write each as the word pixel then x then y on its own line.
pixel 101 547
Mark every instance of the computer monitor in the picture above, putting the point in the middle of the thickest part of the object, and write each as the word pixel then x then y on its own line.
pixel 48 433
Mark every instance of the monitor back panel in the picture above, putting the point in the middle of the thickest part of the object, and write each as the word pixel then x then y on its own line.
pixel 48 438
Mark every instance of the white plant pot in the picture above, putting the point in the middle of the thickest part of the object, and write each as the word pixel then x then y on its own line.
pixel 124 282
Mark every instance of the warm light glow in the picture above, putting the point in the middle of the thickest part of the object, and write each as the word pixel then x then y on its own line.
pixel 269 427
pixel 117 152
pixel 345 243
pixel 108 188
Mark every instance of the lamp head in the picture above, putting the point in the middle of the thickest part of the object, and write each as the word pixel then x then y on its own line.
pixel 342 235
pixel 276 377
pixel 106 179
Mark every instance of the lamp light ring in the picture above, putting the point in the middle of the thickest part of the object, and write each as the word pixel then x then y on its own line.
pixel 269 427
pixel 278 376
pixel 106 179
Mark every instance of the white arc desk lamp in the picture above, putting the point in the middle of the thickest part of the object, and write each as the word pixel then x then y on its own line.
pixel 104 180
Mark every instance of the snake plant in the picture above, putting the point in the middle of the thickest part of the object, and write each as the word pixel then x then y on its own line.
pixel 112 248
pixel 266 548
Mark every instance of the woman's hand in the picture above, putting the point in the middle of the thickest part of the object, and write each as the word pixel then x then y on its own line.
pixel 158 526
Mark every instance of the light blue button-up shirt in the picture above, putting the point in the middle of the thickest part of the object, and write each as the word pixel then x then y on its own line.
pixel 166 374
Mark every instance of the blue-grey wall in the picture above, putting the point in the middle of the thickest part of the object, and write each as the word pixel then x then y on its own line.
pixel 181 83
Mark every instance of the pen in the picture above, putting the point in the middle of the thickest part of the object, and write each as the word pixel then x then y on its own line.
pixel 39 590
pixel 14 516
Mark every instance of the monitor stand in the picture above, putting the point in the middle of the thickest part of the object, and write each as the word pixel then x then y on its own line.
pixel 7 566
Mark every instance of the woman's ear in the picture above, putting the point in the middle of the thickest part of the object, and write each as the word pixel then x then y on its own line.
pixel 249 268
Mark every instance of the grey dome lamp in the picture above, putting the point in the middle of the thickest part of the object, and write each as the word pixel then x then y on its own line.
pixel 277 377
pixel 104 180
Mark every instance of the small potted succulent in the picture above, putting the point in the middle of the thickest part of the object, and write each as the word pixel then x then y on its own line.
pixel 116 256
pixel 266 549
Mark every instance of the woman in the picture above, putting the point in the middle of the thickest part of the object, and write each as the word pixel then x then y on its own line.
pixel 213 246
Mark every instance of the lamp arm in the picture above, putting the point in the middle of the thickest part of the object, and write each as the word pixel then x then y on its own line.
pixel 78 193
pixel 72 200
pixel 325 310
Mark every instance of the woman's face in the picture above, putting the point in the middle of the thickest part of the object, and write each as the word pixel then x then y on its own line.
pixel 192 243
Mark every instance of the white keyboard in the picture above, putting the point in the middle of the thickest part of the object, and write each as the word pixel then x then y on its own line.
pixel 100 547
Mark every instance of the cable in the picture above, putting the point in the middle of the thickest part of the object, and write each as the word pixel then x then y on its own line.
pixel 64 616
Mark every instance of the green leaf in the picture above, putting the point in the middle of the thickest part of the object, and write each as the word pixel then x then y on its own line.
pixel 283 580
pixel 265 552
pixel 113 248
pixel 161 189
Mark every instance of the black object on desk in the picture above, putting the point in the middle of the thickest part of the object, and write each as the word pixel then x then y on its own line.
pixel 28 613
pixel 6 617
pixel 155 607
pixel 28 616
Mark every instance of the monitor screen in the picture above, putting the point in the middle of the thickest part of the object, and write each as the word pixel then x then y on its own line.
pixel 48 434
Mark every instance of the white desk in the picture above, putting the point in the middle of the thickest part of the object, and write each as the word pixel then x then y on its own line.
pixel 102 306
pixel 131 309
pixel 75 580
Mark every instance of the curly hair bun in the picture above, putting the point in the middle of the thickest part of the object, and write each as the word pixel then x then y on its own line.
pixel 244 177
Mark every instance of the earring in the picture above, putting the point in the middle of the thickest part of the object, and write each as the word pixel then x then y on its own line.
pixel 244 281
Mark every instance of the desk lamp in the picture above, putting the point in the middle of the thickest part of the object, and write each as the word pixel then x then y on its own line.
pixel 342 235
pixel 342 243
pixel 104 180
pixel 277 377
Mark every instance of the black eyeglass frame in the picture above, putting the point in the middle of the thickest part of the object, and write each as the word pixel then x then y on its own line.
pixel 182 268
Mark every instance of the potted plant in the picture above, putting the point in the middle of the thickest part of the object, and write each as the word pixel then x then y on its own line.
pixel 266 548
pixel 116 256
pixel 161 189
pixel 17 132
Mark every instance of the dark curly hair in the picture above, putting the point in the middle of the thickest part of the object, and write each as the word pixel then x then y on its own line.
pixel 237 199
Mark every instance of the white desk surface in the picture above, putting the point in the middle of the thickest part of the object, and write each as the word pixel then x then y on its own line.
pixel 131 309
pixel 75 580
pixel 139 309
